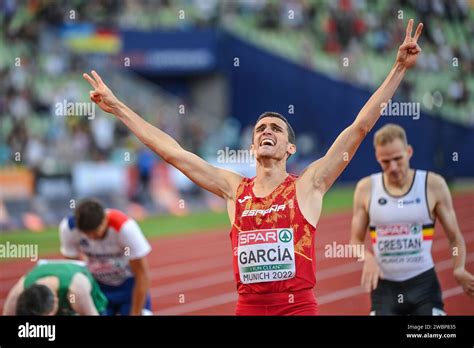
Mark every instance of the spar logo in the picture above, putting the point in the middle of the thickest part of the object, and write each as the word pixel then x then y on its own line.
pixel 285 236
pixel 393 230
pixel 258 237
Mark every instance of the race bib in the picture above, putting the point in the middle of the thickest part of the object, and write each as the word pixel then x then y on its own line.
pixel 399 240
pixel 110 272
pixel 266 255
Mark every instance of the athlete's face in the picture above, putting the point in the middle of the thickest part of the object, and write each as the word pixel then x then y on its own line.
pixel 270 139
pixel 99 232
pixel 394 158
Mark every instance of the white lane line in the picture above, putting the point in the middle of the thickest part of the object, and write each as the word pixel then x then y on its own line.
pixel 333 296
pixel 192 255
pixel 229 297
pixel 199 305
pixel 192 284
pixel 189 267
pixel 345 293
pixel 452 292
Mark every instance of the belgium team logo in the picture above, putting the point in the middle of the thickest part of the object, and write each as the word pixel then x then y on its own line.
pixel 285 236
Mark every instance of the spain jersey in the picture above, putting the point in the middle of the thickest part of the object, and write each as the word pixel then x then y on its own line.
pixel 107 258
pixel 273 243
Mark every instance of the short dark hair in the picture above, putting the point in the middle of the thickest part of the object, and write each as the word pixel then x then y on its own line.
pixel 37 299
pixel 89 215
pixel 291 132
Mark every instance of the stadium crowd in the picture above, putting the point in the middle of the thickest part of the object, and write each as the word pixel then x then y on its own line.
pixel 312 32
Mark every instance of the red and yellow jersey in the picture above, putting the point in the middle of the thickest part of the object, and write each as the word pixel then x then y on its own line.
pixel 272 242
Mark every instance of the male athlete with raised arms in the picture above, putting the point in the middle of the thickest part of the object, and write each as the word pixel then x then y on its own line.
pixel 400 206
pixel 274 214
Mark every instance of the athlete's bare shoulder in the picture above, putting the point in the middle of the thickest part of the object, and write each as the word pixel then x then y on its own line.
pixel 435 179
pixel 365 183
pixel 80 284
pixel 436 184
pixel 364 186
pixel 362 193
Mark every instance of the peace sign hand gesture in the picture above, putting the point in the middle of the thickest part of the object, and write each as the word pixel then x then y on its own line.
pixel 101 95
pixel 409 50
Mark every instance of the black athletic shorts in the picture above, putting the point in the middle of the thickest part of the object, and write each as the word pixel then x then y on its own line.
pixel 420 295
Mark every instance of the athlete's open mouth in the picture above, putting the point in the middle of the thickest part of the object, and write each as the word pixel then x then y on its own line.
pixel 268 142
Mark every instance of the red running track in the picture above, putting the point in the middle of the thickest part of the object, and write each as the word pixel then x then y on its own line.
pixel 192 274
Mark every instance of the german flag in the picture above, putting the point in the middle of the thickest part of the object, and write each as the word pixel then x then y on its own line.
pixel 86 38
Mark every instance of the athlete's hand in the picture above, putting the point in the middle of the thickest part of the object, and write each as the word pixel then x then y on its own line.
pixel 409 51
pixel 371 273
pixel 101 95
pixel 466 280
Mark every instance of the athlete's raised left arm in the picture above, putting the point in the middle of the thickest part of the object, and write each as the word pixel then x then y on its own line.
pixel 444 212
pixel 323 173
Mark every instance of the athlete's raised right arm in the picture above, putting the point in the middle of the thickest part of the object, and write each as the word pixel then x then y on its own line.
pixel 216 180
pixel 360 222
pixel 321 174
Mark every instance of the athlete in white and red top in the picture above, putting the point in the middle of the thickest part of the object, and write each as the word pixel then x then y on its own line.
pixel 114 248
pixel 273 215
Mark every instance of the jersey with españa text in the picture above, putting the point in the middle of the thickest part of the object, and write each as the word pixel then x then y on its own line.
pixel 272 242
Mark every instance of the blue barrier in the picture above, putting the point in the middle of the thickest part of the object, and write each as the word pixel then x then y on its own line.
pixel 323 107
pixel 170 52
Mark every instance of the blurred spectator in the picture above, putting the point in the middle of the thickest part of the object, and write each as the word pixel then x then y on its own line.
pixel 17 139
pixel 146 161
pixel 35 152
pixel 269 18
pixel 458 92
pixel 103 128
